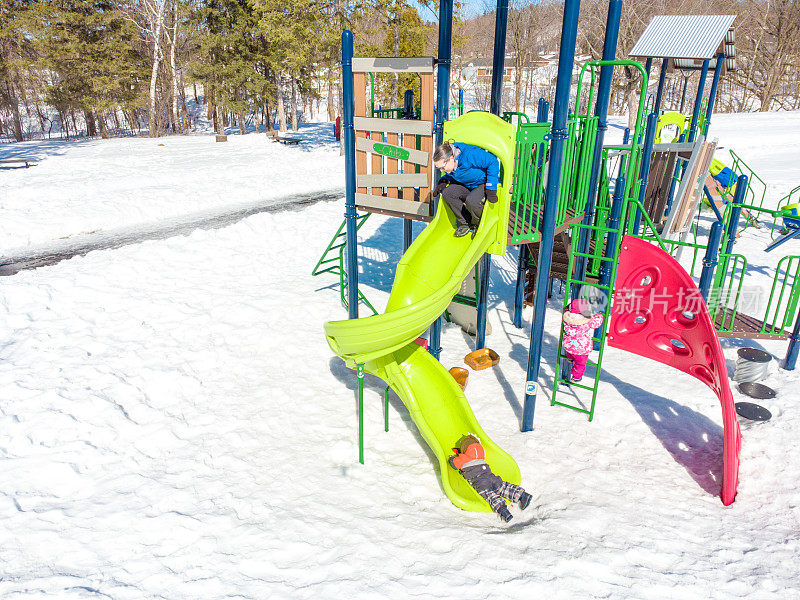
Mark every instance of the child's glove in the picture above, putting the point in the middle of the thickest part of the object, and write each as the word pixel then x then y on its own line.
pixel 440 187
pixel 490 195
pixel 451 463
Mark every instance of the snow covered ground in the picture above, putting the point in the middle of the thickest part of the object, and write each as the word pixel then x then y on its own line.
pixel 173 424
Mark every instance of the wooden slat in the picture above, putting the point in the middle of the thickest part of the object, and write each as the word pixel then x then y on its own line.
pixel 380 180
pixel 686 200
pixel 377 162
pixel 394 205
pixel 410 142
pixel 392 165
pixel 393 64
pixel 360 94
pixel 415 156
pixel 426 142
pixel 394 125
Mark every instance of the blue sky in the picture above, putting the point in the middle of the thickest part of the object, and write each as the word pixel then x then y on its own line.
pixel 470 8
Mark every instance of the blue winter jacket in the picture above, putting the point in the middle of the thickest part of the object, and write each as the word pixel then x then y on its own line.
pixel 475 166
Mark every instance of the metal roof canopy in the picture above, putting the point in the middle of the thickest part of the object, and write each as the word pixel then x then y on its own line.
pixel 685 38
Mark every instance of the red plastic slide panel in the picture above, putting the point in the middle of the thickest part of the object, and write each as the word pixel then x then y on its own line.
pixel 659 313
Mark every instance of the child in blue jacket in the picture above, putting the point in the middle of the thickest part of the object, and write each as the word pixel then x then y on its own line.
pixel 471 177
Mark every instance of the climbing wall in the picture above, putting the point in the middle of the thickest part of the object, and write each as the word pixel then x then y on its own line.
pixel 659 313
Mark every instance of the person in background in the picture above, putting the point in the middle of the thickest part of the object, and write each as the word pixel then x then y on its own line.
pixel 471 176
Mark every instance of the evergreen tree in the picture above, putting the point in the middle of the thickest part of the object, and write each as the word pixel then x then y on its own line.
pixel 86 47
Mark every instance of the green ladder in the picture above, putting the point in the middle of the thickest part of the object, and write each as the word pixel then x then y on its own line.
pixel 599 232
pixel 332 261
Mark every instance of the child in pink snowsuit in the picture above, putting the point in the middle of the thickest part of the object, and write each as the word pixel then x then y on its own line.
pixel 579 325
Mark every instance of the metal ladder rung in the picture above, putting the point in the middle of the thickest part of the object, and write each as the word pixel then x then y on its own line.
pixel 583 410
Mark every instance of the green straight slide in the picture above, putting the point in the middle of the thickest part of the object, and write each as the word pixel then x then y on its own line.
pixel 428 276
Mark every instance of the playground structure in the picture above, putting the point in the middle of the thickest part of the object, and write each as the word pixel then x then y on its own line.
pixel 564 186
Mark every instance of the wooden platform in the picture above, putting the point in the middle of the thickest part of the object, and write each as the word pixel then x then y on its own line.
pixel 745 326
pixel 287 141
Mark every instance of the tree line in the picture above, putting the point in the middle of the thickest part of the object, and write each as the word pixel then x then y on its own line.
pixel 110 66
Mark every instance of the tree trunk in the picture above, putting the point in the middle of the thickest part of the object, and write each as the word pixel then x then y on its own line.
pixel 172 43
pixel 281 111
pixel 91 126
pixel 13 105
pixel 103 127
pixel 267 115
pixel 159 6
pixel 294 104
pixel 331 106
pixel 242 126
pixel 396 52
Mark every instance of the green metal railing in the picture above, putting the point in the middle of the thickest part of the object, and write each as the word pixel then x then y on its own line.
pixel 754 195
pixel 781 309
pixel 522 118
pixel 778 227
pixel 528 182
pixel 579 150
pixel 596 232
pixel 332 261
pixel 724 297
pixel 727 295
pixel 576 168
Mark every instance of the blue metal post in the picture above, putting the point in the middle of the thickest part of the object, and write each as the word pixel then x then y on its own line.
pixel 710 259
pixel 648 64
pixel 662 76
pixel 733 219
pixel 349 134
pixel 522 262
pixel 442 109
pixel 711 203
pixel 712 95
pixel 498 66
pixel 698 100
pixel 519 296
pixel 736 211
pixel 782 240
pixel 569 31
pixel 644 170
pixel 498 62
pixel 626 139
pixel 601 111
pixel 794 347
pixel 617 203
pixel 460 102
pixel 408 113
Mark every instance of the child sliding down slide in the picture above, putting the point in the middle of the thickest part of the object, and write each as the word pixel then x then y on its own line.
pixel 469 461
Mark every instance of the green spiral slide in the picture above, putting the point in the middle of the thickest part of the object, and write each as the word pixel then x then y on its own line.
pixel 428 276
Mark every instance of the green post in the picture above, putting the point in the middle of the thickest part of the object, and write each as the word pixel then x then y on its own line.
pixel 386 409
pixel 360 374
